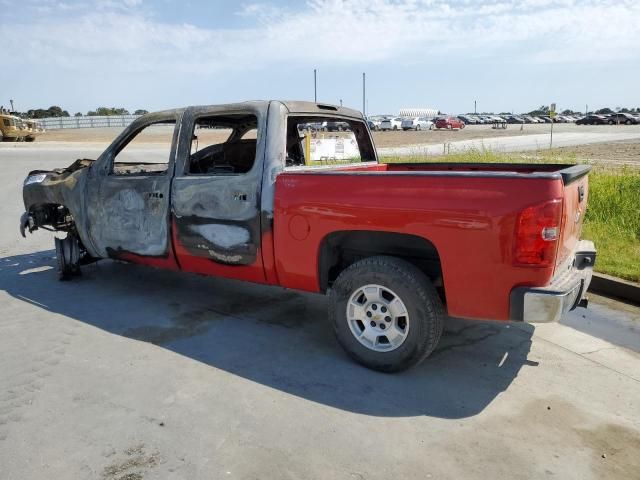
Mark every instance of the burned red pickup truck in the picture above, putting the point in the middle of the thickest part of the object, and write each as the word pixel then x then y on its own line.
pixel 251 191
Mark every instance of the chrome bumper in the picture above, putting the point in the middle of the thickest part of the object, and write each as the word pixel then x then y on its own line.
pixel 566 291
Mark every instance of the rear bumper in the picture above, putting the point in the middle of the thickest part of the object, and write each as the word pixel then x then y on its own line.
pixel 566 291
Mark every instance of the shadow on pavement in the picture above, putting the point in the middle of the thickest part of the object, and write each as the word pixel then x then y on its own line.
pixel 273 336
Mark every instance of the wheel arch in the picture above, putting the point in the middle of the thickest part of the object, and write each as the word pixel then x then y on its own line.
pixel 338 250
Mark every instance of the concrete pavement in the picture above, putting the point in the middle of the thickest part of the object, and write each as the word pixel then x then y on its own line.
pixel 132 373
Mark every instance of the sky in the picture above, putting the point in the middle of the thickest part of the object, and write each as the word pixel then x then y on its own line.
pixel 508 55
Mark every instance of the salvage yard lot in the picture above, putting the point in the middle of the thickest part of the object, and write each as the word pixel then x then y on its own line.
pixel 134 373
pixel 381 139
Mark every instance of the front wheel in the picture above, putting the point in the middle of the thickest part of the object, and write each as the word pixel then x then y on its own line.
pixel 386 313
pixel 418 127
pixel 68 256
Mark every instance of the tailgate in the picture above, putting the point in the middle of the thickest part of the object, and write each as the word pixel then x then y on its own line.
pixel 576 191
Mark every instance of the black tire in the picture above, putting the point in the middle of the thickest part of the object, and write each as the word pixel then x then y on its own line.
pixel 68 256
pixel 425 311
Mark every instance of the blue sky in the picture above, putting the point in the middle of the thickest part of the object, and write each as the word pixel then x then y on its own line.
pixel 506 54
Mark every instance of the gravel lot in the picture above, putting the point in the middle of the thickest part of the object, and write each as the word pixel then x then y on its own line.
pixel 132 373
pixel 382 139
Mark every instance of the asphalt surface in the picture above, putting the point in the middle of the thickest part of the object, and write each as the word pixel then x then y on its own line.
pixel 133 373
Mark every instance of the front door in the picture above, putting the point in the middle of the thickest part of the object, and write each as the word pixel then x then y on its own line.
pixel 128 194
pixel 216 193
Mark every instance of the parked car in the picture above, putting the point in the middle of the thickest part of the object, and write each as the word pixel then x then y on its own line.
pixel 449 123
pixel 498 241
pixel 514 119
pixel 544 119
pixel 592 120
pixel 468 119
pixel 376 122
pixel 391 124
pixel 622 118
pixel 418 123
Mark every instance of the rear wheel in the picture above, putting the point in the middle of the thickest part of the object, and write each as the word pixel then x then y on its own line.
pixel 386 313
pixel 418 127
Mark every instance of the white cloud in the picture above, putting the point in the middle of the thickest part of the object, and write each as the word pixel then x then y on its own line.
pixel 122 35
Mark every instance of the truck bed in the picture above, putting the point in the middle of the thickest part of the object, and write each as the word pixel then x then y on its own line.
pixel 467 211
pixel 567 172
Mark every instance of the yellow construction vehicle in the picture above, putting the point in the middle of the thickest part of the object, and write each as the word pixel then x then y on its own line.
pixel 11 128
pixel 16 129
pixel 33 129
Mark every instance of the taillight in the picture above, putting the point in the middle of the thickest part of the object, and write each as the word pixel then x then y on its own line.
pixel 537 234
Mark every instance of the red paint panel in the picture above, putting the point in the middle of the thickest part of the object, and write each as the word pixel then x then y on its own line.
pixel 205 266
pixel 168 263
pixel 470 220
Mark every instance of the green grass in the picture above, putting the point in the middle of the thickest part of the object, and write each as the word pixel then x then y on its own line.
pixel 613 212
pixel 613 221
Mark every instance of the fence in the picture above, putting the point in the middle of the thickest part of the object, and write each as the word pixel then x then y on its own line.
pixel 55 123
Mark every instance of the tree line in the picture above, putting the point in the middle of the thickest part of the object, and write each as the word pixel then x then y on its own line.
pixel 544 110
pixel 55 111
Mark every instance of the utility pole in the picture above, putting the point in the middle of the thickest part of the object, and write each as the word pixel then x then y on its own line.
pixel 475 105
pixel 364 94
pixel 315 86
pixel 586 110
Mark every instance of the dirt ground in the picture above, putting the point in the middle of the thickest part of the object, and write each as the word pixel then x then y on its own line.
pixel 625 153
pixel 382 139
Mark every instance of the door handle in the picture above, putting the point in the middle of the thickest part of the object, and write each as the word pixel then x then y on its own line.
pixel 240 196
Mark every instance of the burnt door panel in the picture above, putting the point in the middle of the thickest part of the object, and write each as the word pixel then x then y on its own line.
pixel 217 218
pixel 131 216
pixel 128 194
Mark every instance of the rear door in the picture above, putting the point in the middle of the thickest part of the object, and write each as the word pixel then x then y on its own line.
pixel 216 192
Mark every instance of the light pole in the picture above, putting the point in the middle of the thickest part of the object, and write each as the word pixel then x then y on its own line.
pixel 475 105
pixel 315 86
pixel 364 94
